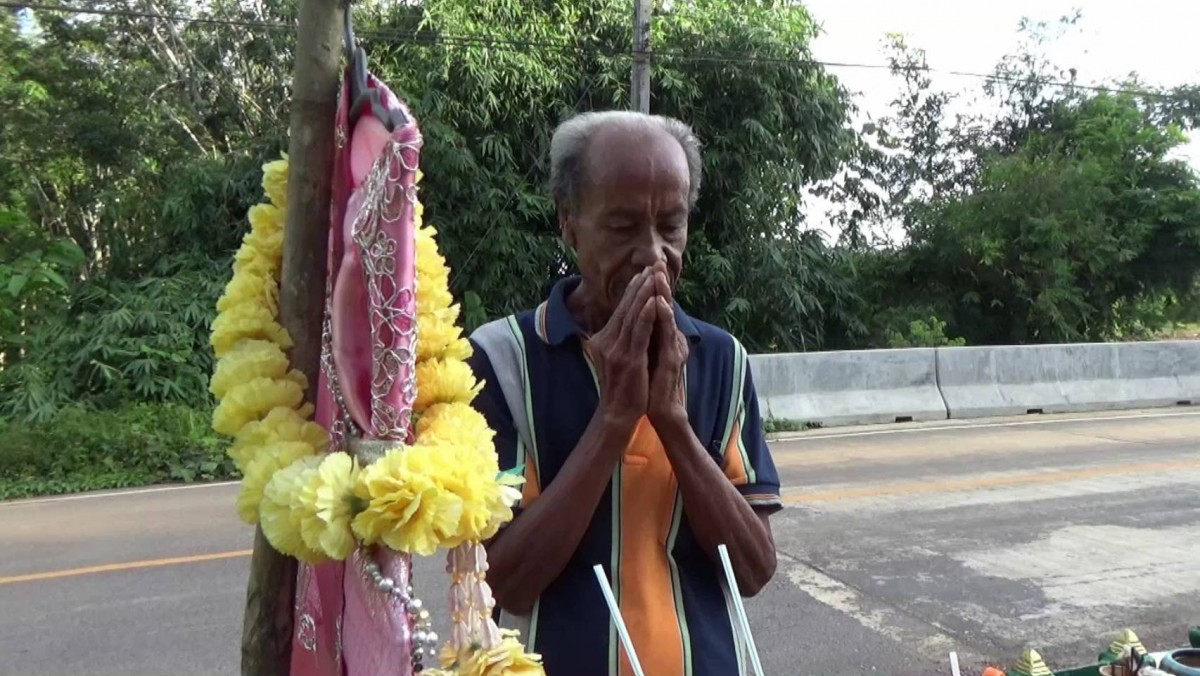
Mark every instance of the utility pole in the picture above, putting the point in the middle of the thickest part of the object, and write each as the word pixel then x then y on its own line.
pixel 270 591
pixel 639 90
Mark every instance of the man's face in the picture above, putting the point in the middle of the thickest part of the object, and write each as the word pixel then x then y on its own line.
pixel 631 212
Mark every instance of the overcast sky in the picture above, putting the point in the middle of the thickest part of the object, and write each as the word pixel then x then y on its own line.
pixel 1155 38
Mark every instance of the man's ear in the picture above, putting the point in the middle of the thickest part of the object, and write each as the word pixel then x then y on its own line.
pixel 566 226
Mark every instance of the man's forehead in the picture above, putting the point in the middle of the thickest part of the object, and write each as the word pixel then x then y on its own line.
pixel 619 150
pixel 642 135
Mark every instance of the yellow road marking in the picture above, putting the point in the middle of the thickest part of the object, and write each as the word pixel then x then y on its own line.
pixel 921 487
pixel 115 567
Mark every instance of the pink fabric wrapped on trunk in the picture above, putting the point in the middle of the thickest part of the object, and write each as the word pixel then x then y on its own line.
pixel 344 624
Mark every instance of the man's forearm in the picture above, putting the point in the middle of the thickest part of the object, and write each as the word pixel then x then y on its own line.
pixel 716 511
pixel 533 550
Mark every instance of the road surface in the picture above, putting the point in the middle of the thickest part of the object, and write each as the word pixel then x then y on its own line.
pixel 899 544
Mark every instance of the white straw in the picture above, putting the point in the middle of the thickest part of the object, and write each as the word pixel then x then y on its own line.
pixel 954 670
pixel 741 610
pixel 620 623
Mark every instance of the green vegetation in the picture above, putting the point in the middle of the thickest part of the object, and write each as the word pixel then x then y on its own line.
pixel 130 150
pixel 781 425
pixel 83 449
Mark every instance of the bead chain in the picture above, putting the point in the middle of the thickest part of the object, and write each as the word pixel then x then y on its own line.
pixel 424 639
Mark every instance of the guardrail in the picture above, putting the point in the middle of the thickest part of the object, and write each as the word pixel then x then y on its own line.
pixel 849 388
pixel 874 386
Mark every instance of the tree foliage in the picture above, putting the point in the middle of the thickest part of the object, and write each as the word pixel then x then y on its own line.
pixel 1063 217
pixel 770 119
pixel 131 146
pixel 138 142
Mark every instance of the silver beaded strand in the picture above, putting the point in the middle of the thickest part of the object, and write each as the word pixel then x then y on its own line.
pixel 424 639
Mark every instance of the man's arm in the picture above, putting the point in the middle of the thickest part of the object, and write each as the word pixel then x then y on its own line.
pixel 531 552
pixel 717 512
pixel 725 505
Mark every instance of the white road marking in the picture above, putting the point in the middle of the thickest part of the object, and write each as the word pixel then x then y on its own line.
pixel 116 494
pixel 947 426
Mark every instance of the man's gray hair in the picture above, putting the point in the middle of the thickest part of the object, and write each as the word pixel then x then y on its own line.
pixel 570 142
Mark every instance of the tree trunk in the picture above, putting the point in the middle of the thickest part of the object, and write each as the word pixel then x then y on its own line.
pixel 267 625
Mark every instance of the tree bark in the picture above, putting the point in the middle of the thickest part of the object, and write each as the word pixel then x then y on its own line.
pixel 270 592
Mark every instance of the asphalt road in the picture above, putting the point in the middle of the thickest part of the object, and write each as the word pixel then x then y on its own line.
pixel 899 544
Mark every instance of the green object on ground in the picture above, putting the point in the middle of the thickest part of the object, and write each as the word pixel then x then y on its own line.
pixel 1123 640
pixel 1030 664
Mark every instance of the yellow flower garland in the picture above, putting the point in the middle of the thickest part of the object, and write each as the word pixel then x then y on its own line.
pixel 442 491
pixel 506 659
pixel 451 467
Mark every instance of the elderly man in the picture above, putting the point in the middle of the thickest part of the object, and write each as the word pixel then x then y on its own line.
pixel 638 426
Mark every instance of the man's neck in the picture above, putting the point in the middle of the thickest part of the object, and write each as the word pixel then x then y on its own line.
pixel 586 309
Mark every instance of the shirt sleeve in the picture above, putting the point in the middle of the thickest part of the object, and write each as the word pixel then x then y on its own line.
pixel 747 459
pixel 490 402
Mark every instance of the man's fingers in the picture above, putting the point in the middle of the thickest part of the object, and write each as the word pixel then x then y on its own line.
pixel 665 318
pixel 643 326
pixel 644 292
pixel 661 286
pixel 630 296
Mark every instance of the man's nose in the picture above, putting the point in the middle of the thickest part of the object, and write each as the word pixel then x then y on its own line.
pixel 650 249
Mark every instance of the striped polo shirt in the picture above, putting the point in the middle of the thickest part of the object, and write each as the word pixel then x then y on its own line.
pixel 540 393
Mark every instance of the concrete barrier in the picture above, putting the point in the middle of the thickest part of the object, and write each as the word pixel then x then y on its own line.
pixel 849 388
pixel 1010 380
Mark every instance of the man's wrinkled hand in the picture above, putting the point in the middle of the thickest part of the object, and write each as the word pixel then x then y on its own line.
pixel 620 351
pixel 670 355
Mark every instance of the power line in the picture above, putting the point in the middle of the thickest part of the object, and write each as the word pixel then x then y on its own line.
pixel 429 39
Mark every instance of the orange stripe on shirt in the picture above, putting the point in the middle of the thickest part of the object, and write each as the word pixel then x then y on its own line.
pixel 735 468
pixel 648 491
pixel 532 488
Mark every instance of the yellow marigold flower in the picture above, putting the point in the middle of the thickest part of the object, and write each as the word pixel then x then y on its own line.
pixel 432 297
pixel 255 287
pixel 274 181
pixel 504 491
pixel 249 359
pixel 442 381
pixel 262 254
pixel 297 377
pixel 432 274
pixel 246 322
pixel 473 481
pixel 259 472
pixel 455 424
pixel 282 424
pixel 458 350
pixel 329 498
pixel 437 332
pixel 506 659
pixel 266 233
pixel 251 400
pixel 407 508
pixel 265 219
pixel 283 510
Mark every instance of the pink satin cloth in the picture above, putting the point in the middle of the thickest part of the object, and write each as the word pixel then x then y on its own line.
pixel 344 625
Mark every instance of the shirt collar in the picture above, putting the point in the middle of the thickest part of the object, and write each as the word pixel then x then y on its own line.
pixel 557 324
